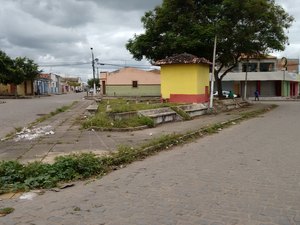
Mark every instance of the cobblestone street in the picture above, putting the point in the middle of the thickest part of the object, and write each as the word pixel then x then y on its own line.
pixel 247 174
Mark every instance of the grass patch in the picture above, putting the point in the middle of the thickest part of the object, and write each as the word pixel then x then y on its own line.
pixel 105 121
pixel 181 113
pixel 5 211
pixel 104 117
pixel 122 105
pixel 18 129
pixel 15 176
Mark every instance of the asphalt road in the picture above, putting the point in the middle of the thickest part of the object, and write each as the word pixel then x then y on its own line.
pixel 248 174
pixel 15 113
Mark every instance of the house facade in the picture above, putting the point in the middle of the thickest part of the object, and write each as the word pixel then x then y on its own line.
pixel 55 84
pixel 67 84
pixel 130 81
pixel 267 74
pixel 184 79
pixel 42 84
pixel 26 88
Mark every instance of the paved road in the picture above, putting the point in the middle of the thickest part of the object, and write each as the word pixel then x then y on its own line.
pixel 20 112
pixel 248 174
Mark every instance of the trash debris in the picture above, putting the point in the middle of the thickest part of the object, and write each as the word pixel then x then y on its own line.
pixel 39 192
pixel 28 196
pixel 150 134
pixel 233 123
pixel 30 134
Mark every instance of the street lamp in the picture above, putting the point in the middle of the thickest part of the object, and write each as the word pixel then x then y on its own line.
pixel 93 65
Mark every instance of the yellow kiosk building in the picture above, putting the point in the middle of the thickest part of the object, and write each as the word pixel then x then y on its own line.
pixel 184 79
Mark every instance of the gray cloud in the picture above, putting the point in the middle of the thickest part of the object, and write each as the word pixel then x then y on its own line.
pixel 66 13
pixel 62 31
pixel 131 5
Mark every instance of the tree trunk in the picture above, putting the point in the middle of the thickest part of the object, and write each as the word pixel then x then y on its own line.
pixel 219 86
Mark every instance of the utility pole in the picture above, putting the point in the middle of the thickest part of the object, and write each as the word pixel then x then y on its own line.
pixel 93 65
pixel 213 75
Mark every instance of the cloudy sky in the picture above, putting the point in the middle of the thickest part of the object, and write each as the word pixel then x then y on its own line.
pixel 61 32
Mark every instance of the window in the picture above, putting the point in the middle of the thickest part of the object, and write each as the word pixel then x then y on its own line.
pixel 252 67
pixel 266 67
pixel 134 83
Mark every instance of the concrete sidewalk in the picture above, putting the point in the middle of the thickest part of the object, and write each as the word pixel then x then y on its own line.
pixel 60 135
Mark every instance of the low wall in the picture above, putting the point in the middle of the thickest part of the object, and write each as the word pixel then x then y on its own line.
pixel 194 110
pixel 161 115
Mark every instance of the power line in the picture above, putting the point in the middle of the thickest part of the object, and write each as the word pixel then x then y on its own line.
pixel 99 63
pixel 64 64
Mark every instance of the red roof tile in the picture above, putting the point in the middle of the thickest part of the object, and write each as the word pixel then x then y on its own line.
pixel 184 58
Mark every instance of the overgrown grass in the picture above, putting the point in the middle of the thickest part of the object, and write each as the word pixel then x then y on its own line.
pixel 104 117
pixel 15 176
pixel 103 120
pixel 5 211
pixel 122 105
pixel 181 113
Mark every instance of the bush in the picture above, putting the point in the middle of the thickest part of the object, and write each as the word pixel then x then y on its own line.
pixel 102 120
pixel 11 172
pixel 15 176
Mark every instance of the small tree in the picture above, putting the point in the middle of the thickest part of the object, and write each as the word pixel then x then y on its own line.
pixel 90 82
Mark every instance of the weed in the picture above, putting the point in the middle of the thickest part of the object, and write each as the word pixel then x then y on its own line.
pixel 18 129
pixel 181 113
pixel 123 105
pixel 16 176
pixel 77 209
pixel 57 111
pixel 104 120
pixel 5 211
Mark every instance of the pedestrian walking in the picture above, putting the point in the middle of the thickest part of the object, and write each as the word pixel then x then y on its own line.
pixel 256 94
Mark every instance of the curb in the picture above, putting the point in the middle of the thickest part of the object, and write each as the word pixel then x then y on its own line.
pixel 201 132
pixel 127 129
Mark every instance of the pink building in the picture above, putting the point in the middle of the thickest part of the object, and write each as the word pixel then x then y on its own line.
pixel 130 82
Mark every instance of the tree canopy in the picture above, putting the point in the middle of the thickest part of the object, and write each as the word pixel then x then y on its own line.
pixel 16 71
pixel 90 82
pixel 247 27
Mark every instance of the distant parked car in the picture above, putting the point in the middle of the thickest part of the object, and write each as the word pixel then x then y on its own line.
pixel 225 94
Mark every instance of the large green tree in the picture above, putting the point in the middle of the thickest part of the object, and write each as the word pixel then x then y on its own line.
pixel 243 28
pixel 16 71
pixel 6 64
